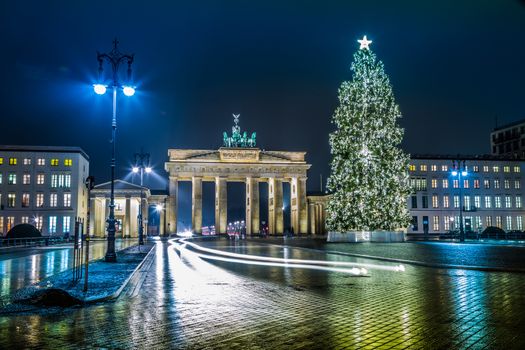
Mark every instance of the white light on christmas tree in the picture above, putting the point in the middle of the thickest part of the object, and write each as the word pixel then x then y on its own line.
pixel 364 43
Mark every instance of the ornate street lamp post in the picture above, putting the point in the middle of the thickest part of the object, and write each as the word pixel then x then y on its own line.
pixel 141 165
pixel 114 58
pixel 460 170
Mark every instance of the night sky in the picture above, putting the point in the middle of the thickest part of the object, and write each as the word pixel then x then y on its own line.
pixel 455 66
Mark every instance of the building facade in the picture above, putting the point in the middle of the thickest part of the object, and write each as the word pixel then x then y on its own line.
pixel 509 140
pixel 490 194
pixel 43 186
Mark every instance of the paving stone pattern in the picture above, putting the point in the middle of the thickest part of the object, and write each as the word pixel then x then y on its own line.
pixel 187 303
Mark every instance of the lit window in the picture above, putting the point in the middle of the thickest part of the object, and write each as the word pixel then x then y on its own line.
pixel 41 161
pixel 465 183
pixel 433 167
pixel 25 219
pixel 477 201
pixel 54 162
pixel 486 183
pixel 10 222
pixel 445 183
pixel 27 161
pixel 508 202
pixel 497 201
pixel 435 223
pixel 434 183
pixel 54 180
pixel 68 162
pixel 485 168
pixel 476 183
pixel 495 169
pixel 488 202
pixel 466 202
pixel 456 201
pixel 40 179
pixel 444 168
pixel 508 223
pixel 53 198
pixel 26 179
pixel 506 183
pixel 67 199
pixel 475 168
pixel 52 224
pixel 517 169
pixel 488 221
pixel 25 200
pixel 11 200
pixel 13 161
pixel 519 223
pixel 39 200
pixel 446 223
pixel 1 179
pixel 423 167
pixel 506 169
pixel 38 222
pixel 67 180
pixel 1 161
pixel 446 203
pixel 498 221
pixel 66 224
pixel 518 202
pixel 455 183
pixel 496 183
pixel 435 201
pixel 11 179
pixel 517 184
pixel 61 180
pixel 412 167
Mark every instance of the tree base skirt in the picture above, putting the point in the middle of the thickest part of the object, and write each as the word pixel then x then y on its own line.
pixel 366 236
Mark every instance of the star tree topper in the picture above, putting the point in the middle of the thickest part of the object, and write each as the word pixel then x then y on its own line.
pixel 364 43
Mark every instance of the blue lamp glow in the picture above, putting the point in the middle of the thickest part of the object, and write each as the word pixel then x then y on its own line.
pixel 99 89
pixel 464 173
pixel 128 90
pixel 454 173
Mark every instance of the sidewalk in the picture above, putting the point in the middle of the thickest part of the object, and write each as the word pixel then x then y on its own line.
pixel 106 281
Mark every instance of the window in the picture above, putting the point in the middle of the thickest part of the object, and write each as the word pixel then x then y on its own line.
pixel 435 223
pixel 477 222
pixel 445 183
pixel 476 183
pixel 66 224
pixel 53 197
pixel 456 201
pixel 466 203
pixel 67 199
pixel 1 162
pixel 67 180
pixel 497 201
pixel 61 180
pixel 495 169
pixel 41 161
pixel 11 179
pixel 26 179
pixel 54 180
pixel 498 221
pixel 485 168
pixel 508 222
pixel 506 169
pixel 423 167
pixel 68 162
pixel 414 223
pixel 412 167
pixel 496 183
pixel 25 219
pixel 519 223
pixel 433 167
pixel 40 179
pixel 414 201
pixel 517 169
pixel 488 221
pixel 488 202
pixel 446 203
pixel 517 184
pixel 434 183
pixel 486 184
pixel 508 202
pixel 446 223
pixel 13 161
pixel 27 161
pixel 475 168
pixel 39 200
pixel 435 201
pixel 39 221
pixel 477 201
pixel 52 224
pixel 506 184
pixel 54 162
pixel 11 200
pixel 1 178
pixel 10 222
pixel 455 183
pixel 518 202
pixel 25 200
pixel 425 202
pixel 465 184
pixel 418 184
pixel 444 168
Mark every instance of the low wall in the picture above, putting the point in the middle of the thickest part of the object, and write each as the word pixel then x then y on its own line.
pixel 366 236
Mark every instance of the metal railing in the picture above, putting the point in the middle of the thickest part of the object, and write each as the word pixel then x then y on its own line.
pixel 31 242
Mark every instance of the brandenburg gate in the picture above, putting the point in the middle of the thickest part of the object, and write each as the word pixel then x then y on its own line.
pixel 240 161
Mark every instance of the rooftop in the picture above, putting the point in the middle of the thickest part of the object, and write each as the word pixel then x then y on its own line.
pixel 49 149
pixel 506 126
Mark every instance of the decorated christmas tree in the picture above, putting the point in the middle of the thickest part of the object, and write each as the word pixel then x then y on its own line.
pixel 369 176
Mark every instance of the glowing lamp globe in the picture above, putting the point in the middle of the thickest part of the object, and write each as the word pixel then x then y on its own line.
pixel 135 169
pixel 128 91
pixel 158 207
pixel 148 169
pixel 454 173
pixel 99 89
pixel 464 173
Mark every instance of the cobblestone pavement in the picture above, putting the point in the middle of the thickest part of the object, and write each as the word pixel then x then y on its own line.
pixel 186 302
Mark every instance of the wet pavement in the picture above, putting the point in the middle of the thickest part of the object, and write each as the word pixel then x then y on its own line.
pixel 184 301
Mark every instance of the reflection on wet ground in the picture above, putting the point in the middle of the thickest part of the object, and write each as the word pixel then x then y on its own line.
pixel 187 302
pixel 22 267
